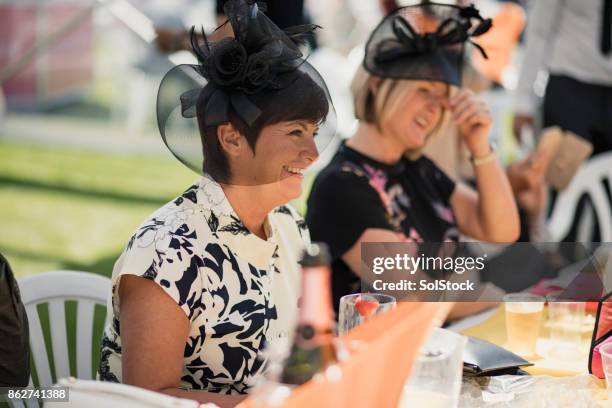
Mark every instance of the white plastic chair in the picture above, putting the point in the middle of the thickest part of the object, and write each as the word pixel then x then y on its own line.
pixel 54 288
pixel 98 394
pixel 588 180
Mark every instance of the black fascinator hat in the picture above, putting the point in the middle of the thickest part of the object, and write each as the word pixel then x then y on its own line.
pixel 424 42
pixel 237 77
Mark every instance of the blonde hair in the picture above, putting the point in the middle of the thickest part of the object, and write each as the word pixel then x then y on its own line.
pixel 375 108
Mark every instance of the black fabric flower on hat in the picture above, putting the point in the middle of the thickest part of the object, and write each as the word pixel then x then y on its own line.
pixel 254 59
pixel 258 73
pixel 227 63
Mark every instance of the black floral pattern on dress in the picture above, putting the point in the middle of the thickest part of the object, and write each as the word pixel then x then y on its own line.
pixel 236 227
pixel 213 224
pixel 302 227
pixel 283 209
pixel 108 346
pixel 274 258
pixel 397 202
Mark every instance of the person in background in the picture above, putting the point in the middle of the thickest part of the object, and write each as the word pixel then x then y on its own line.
pixel 571 40
pixel 14 332
pixel 479 74
pixel 283 13
pixel 212 277
pixel 379 187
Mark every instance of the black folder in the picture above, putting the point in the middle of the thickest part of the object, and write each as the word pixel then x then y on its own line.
pixel 482 358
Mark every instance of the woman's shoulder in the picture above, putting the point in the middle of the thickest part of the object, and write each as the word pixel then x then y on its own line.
pixel 178 218
pixel 429 171
pixel 340 174
pixel 287 218
pixel 433 177
pixel 429 165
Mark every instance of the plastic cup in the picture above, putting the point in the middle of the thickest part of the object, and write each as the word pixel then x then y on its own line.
pixel 606 361
pixel 523 318
pixel 565 320
pixel 435 381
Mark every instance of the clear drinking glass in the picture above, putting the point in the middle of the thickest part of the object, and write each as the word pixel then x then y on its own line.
pixel 435 380
pixel 565 319
pixel 523 318
pixel 359 307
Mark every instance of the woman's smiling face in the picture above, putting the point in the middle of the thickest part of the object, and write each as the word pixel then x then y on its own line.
pixel 416 114
pixel 282 153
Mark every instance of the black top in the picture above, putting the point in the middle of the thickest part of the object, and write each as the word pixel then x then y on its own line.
pixel 14 332
pixel 355 192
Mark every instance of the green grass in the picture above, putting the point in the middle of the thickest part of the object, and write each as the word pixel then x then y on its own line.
pixel 70 209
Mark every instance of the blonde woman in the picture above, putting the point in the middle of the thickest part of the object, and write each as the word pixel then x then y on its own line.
pixel 379 187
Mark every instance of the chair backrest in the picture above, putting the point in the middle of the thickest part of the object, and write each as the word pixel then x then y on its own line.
pixel 55 288
pixel 588 180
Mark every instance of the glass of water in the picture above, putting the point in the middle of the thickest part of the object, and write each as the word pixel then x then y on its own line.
pixel 357 308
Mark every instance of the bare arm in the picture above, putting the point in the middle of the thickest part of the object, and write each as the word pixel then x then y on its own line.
pixel 153 342
pixel 490 214
pixel 353 259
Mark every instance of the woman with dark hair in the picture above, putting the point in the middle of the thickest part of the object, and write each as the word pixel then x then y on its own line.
pixel 212 277
pixel 379 187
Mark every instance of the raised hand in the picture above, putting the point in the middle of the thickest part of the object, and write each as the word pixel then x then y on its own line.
pixel 473 119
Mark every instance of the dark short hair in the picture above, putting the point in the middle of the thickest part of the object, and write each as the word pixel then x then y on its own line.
pixel 302 99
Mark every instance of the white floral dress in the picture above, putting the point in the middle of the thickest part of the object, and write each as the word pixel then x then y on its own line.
pixel 237 290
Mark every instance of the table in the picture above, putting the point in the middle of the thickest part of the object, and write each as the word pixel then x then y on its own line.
pixel 493 329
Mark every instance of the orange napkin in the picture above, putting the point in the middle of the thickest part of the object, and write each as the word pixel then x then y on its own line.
pixel 376 371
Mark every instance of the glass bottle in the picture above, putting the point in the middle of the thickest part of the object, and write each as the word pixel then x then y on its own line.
pixel 313 349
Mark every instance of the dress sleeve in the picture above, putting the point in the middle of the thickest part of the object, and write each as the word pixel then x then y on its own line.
pixel 341 206
pixel 164 253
